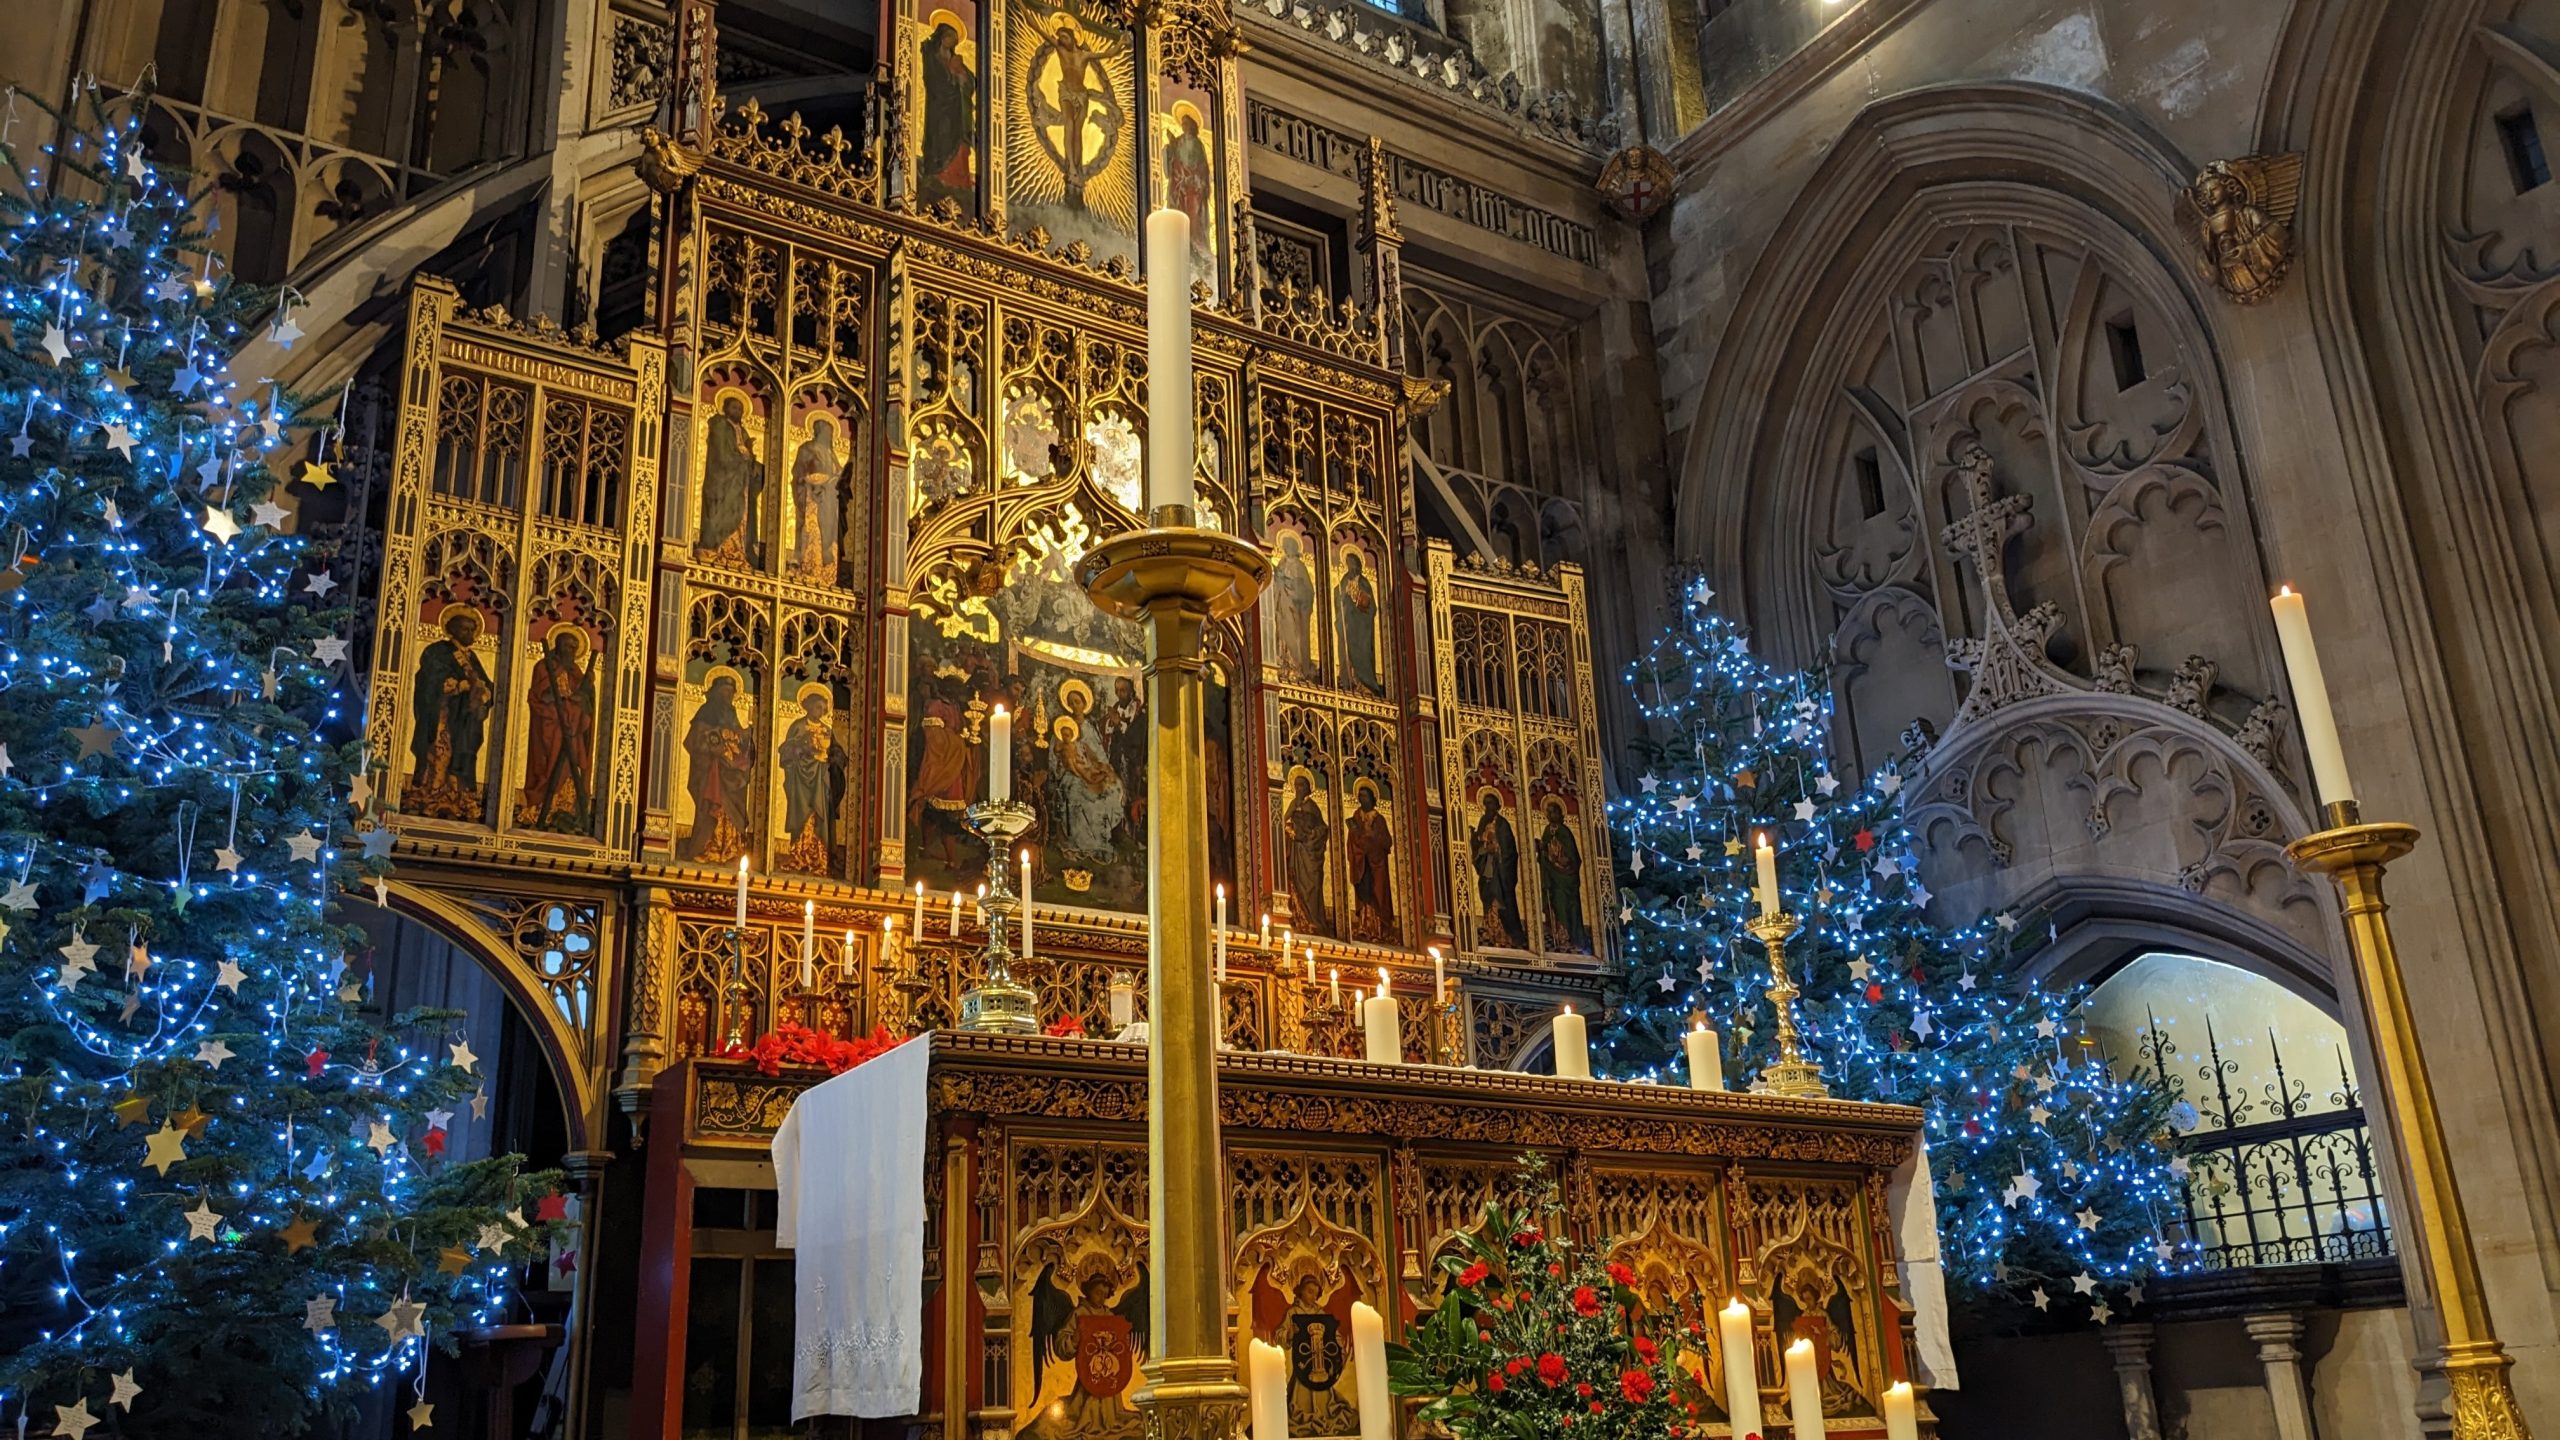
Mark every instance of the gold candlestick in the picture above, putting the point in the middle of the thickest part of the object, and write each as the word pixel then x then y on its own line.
pixel 1791 1073
pixel 735 993
pixel 2353 855
pixel 1177 579
pixel 999 1003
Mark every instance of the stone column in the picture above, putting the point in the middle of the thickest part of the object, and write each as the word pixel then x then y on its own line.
pixel 2279 1338
pixel 2129 1346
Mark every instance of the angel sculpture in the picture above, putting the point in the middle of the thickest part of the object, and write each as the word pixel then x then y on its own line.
pixel 2241 215
pixel 1100 1339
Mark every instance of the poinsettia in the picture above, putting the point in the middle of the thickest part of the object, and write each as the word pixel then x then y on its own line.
pixel 789 1044
pixel 1537 1338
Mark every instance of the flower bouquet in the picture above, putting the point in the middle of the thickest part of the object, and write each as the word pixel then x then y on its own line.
pixel 789 1044
pixel 1537 1338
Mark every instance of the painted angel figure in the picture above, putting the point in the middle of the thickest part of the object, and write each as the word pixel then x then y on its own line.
pixel 2241 214
pixel 1101 1339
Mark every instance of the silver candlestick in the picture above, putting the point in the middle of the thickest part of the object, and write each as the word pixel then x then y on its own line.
pixel 999 1003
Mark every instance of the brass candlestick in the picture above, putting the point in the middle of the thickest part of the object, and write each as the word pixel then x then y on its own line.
pixel 1791 1074
pixel 998 1003
pixel 2353 855
pixel 735 992
pixel 1177 579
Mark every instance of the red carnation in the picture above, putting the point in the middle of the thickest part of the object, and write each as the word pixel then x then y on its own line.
pixel 1636 1385
pixel 1586 1301
pixel 1646 1350
pixel 1551 1371
pixel 1555 1268
pixel 1485 1335
pixel 1474 1274
pixel 1517 1364
pixel 1621 1274
pixel 1524 1238
pixel 1583 1390
pixel 1598 1409
pixel 1493 1382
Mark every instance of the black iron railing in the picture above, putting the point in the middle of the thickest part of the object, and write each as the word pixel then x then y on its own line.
pixel 2278 1176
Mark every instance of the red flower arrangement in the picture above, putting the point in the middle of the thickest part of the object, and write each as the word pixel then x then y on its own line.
pixel 1536 1336
pixel 789 1044
pixel 1066 1027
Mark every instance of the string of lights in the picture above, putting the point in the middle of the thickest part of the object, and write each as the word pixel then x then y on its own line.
pixel 2052 1180
pixel 225 1203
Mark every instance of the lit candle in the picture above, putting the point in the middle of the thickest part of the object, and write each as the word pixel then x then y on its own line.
pixel 1572 1046
pixel 1381 1030
pixel 1336 973
pixel 885 927
pixel 915 926
pixel 808 943
pixel 1706 1061
pixel 1311 961
pixel 1220 930
pixel 1741 1369
pixel 1369 1366
pixel 1267 1381
pixel 1804 1392
pixel 1169 454
pixel 742 892
pixel 1439 976
pixel 1124 1003
pixel 2311 699
pixel 1000 754
pixel 1901 1412
pixel 955 914
pixel 1767 855
pixel 1026 904
pixel 1266 935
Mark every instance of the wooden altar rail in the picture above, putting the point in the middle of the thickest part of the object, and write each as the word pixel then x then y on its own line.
pixel 1345 1180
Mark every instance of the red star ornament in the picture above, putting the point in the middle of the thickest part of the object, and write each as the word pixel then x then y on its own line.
pixel 434 1141
pixel 567 1262
pixel 315 1062
pixel 554 1206
pixel 1866 840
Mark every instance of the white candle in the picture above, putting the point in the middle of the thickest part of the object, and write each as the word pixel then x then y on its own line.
pixel 1266 935
pixel 1439 977
pixel 1124 1003
pixel 1706 1061
pixel 1267 1381
pixel 915 926
pixel 1169 455
pixel 1026 904
pixel 1572 1046
pixel 1741 1369
pixel 1311 961
pixel 1381 1030
pixel 808 943
pixel 1220 930
pixel 1336 973
pixel 1767 855
pixel 1000 754
pixel 1369 1372
pixel 2311 699
pixel 742 892
pixel 1804 1392
pixel 885 927
pixel 1901 1412
pixel 955 914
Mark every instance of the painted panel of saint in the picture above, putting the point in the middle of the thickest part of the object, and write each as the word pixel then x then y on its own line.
pixel 1357 615
pixel 558 789
pixel 813 543
pixel 1289 606
pixel 1070 130
pixel 1306 839
pixel 810 772
pixel 715 819
pixel 1187 171
pixel 1368 847
pixel 946 761
pixel 451 695
pixel 729 499
pixel 1560 863
pixel 1493 845
pixel 1086 1346
pixel 947 140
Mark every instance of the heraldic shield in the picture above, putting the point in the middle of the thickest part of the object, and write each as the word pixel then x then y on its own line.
pixel 1105 1359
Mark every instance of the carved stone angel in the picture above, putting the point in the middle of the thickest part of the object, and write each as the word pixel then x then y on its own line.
pixel 2241 215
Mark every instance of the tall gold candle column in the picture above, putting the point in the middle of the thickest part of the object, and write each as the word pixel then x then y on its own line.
pixel 1176 579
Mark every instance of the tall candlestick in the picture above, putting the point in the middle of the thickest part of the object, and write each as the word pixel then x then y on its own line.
pixel 1169 453
pixel 1572 1046
pixel 1219 930
pixel 955 915
pixel 1706 1060
pixel 808 943
pixel 742 892
pixel 1381 1029
pixel 1369 1369
pixel 1901 1412
pixel 1000 754
pixel 1741 1368
pixel 1267 1385
pixel 1026 904
pixel 1439 976
pixel 915 926
pixel 1804 1392
pixel 2311 699
pixel 1767 855
pixel 1335 973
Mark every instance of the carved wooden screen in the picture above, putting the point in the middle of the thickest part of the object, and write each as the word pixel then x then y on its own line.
pixel 1520 760
pixel 511 649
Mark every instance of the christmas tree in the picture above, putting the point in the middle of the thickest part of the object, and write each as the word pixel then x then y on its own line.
pixel 223 1199
pixel 2050 1182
